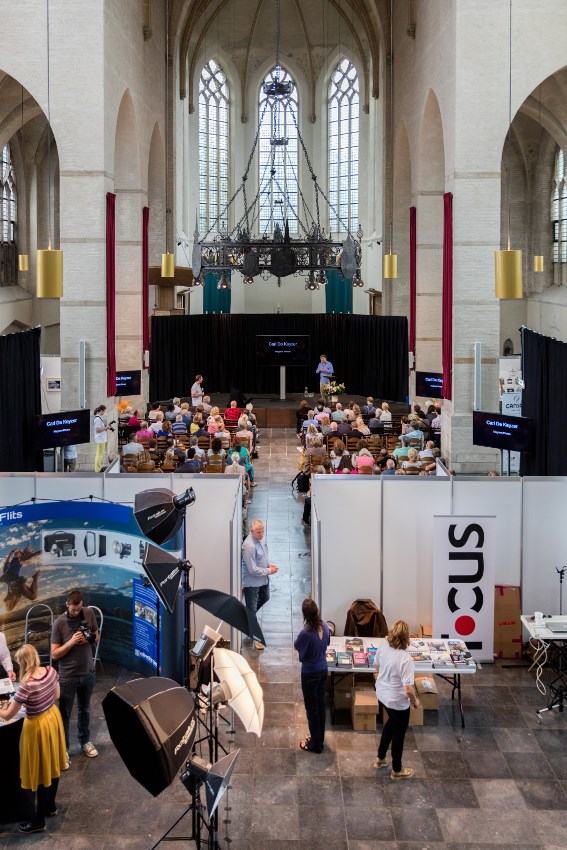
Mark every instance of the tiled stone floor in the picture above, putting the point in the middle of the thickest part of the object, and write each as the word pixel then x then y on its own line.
pixel 502 783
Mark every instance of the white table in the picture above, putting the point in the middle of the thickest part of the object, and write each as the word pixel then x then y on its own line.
pixel 451 674
pixel 556 659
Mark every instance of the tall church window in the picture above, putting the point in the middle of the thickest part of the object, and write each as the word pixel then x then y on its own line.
pixel 343 134
pixel 559 209
pixel 8 219
pixel 278 155
pixel 213 147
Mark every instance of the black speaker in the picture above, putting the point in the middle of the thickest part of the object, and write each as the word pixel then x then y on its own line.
pixel 152 725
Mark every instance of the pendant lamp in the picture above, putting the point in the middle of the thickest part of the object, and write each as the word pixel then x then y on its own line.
pixel 168 265
pixel 538 263
pixel 49 260
pixel 508 263
pixel 391 259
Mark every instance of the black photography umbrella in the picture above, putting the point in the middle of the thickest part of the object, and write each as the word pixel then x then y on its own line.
pixel 229 609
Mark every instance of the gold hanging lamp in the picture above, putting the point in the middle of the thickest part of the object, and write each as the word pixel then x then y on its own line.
pixel 508 263
pixel 49 260
pixel 538 263
pixel 391 259
pixel 168 265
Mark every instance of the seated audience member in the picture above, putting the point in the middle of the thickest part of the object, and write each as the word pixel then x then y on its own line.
pixel 206 405
pixel 192 464
pixel 412 464
pixel 400 451
pixel 363 458
pixel 124 417
pixel 152 415
pixel 134 421
pixel 245 430
pixel 179 428
pixel 186 414
pixel 344 428
pixel 356 432
pixel 416 413
pixel 334 427
pixel 132 448
pixel 176 407
pixel 315 448
pixel 414 433
pixel 385 416
pixel 254 423
pixel 213 425
pixel 172 458
pixel 144 430
pixel 194 444
pixel 197 428
pixel 427 452
pixel 235 467
pixel 146 455
pixel 344 465
pixel 170 413
pixel 431 413
pixel 337 452
pixel 375 423
pixel 321 411
pixel 356 410
pixel 390 467
pixel 436 423
pixel 362 427
pixel 232 413
pixel 178 451
pixel 222 433
pixel 338 413
pixel 301 414
pixel 309 421
pixel 369 408
pixel 157 423
pixel 325 426
pixel 166 429
pixel 404 424
pixel 312 435
pixel 216 449
pixel 326 466
pixel 349 412
pixel 382 459
pixel 430 464
pixel 214 411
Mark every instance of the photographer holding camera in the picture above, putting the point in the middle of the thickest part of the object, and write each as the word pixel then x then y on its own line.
pixel 101 430
pixel 72 639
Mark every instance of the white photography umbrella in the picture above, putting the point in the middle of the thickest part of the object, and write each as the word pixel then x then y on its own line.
pixel 246 697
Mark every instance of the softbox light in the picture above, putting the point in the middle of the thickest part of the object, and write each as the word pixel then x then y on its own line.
pixel 164 573
pixel 159 513
pixel 216 777
pixel 152 725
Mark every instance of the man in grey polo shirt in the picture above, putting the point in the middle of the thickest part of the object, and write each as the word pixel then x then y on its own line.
pixel 256 570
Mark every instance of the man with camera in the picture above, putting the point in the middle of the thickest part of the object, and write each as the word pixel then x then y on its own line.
pixel 72 639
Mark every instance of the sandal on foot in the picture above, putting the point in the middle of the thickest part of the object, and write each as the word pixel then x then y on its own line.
pixel 306 745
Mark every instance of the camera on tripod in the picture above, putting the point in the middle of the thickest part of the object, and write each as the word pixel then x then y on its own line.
pixel 86 631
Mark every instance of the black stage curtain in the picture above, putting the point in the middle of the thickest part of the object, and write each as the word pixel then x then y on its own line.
pixel 369 353
pixel 20 400
pixel 544 399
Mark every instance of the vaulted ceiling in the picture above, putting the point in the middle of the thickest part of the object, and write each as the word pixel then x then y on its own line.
pixel 313 32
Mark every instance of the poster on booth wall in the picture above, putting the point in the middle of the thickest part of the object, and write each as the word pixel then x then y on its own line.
pixel 50 548
pixel 509 375
pixel 463 581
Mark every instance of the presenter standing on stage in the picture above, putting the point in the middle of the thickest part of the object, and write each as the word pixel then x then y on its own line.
pixel 325 371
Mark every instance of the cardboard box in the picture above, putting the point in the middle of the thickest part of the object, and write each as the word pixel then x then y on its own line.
pixel 507 623
pixel 425 631
pixel 343 688
pixel 427 692
pixel 416 716
pixel 364 707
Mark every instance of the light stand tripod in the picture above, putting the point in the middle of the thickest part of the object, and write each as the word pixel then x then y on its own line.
pixel 561 572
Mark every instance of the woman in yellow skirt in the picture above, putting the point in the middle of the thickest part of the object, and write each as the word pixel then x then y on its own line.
pixel 42 744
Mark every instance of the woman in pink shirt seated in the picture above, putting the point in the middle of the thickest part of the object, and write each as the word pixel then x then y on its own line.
pixel 363 458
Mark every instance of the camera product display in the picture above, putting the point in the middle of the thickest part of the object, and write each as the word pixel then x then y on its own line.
pixel 122 549
pixel 60 543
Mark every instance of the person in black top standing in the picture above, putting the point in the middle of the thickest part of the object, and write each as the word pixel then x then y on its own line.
pixel 311 645
pixel 72 638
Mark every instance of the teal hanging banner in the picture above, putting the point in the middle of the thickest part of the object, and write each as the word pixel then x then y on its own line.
pixel 215 300
pixel 338 293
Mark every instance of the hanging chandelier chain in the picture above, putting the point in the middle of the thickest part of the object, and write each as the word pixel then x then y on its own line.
pixel 278 36
pixel 49 214
pixel 509 117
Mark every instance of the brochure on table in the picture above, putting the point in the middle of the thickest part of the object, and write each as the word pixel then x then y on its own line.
pixel 349 654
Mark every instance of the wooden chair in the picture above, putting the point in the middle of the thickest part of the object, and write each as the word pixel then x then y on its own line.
pixel 375 445
pixel 204 443
pixel 414 443
pixel 391 442
pixel 130 460
pixel 225 442
pixel 147 467
pixel 243 441
pixel 412 469
pixel 215 465
pixel 183 441
pixel 144 441
pixel 352 444
pixel 315 461
pixel 364 470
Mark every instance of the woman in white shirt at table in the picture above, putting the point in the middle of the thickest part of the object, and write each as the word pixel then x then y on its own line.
pixel 395 691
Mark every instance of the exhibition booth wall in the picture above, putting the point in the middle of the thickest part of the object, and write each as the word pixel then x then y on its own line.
pixel 374 538
pixel 100 506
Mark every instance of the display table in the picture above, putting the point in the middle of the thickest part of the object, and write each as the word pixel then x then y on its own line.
pixel 16 804
pixel 551 651
pixel 431 655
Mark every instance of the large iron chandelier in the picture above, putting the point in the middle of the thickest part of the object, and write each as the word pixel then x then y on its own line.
pixel 275 253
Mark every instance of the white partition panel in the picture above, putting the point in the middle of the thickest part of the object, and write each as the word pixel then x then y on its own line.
pixel 409 505
pixel 16 488
pixel 545 543
pixel 55 486
pixel 502 498
pixel 315 554
pixel 348 508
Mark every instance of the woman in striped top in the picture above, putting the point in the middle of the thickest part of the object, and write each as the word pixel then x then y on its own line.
pixel 42 744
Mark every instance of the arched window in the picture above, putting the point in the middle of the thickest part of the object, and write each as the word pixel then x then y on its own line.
pixel 559 209
pixel 213 147
pixel 8 219
pixel 343 147
pixel 278 156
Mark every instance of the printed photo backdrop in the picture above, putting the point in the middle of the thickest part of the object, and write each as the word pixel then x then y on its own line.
pixel 50 548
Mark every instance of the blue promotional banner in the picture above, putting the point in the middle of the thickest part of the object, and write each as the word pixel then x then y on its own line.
pixel 50 548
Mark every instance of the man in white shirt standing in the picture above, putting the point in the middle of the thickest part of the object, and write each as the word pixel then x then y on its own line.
pixel 197 391
pixel 5 659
